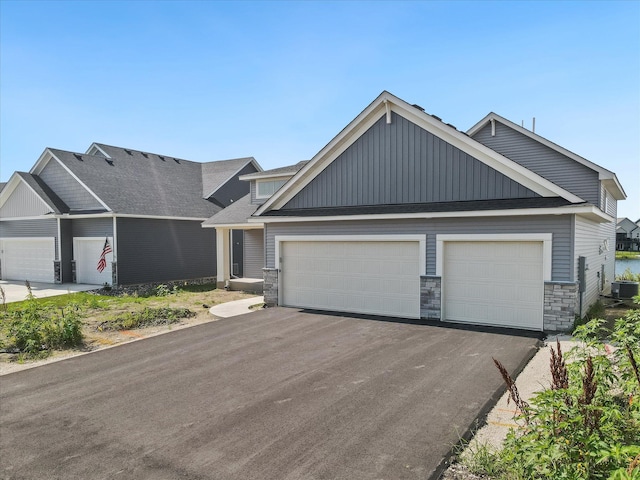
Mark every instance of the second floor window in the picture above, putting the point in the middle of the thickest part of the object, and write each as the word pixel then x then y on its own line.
pixel 266 188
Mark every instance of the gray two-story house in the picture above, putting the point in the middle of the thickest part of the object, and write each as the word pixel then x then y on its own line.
pixel 147 208
pixel 403 215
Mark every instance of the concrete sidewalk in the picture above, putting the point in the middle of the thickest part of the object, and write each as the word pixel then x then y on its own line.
pixel 17 291
pixel 535 377
pixel 238 307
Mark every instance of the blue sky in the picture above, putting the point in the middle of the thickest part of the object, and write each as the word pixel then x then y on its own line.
pixel 277 80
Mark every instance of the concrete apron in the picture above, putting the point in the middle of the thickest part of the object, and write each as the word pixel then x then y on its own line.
pixel 17 291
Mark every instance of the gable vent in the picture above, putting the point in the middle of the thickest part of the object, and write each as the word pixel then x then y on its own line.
pixel 110 162
pixel 144 155
pixel 128 151
pixel 78 156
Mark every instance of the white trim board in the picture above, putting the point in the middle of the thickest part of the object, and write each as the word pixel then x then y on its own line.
pixel 372 114
pixel 605 175
pixel 587 211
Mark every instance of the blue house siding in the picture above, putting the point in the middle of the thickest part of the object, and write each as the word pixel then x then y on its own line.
pixel 561 226
pixel 67 188
pixel 153 250
pixel 546 162
pixel 403 163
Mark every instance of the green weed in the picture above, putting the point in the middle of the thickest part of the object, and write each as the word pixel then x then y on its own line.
pixel 145 318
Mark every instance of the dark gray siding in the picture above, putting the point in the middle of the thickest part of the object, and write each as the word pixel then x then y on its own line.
pixel 403 163
pixel 92 227
pixel 253 253
pixel 560 226
pixel 66 239
pixel 47 227
pixel 67 188
pixel 546 162
pixel 234 188
pixel 151 250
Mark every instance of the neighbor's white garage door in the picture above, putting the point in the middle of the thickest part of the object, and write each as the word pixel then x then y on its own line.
pixel 86 253
pixel 494 283
pixel 28 259
pixel 370 277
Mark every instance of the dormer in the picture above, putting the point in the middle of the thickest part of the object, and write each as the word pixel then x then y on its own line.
pixel 265 184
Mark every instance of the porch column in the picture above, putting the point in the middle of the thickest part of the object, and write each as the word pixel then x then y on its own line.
pixel 222 256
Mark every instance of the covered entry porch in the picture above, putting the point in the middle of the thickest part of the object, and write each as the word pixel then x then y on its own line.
pixel 240 257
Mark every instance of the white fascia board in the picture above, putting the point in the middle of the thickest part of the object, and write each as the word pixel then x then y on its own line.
pixel 604 175
pixel 253 176
pixel 97 147
pixel 330 152
pixel 235 174
pixel 35 217
pixel 587 211
pixel 237 226
pixel 46 157
pixel 12 184
pixel 372 113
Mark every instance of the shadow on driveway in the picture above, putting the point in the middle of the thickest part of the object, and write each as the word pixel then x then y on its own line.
pixel 275 394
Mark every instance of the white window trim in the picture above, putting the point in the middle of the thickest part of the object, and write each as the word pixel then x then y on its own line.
pixel 269 180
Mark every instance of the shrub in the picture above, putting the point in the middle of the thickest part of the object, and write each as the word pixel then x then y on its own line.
pixel 628 276
pixel 586 425
pixel 37 328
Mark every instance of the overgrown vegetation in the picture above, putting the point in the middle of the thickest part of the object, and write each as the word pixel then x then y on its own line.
pixel 629 276
pixel 622 255
pixel 146 318
pixel 35 329
pixel 586 425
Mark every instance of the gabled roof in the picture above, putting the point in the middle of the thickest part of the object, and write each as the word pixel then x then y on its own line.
pixel 237 213
pixel 38 187
pixel 289 170
pixel 215 174
pixel 387 103
pixel 606 176
pixel 132 182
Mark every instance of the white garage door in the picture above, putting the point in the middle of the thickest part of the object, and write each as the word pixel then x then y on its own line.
pixel 494 283
pixel 86 253
pixel 370 277
pixel 28 259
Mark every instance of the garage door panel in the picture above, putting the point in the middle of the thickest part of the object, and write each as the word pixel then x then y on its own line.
pixel 86 253
pixel 28 259
pixel 495 283
pixel 372 277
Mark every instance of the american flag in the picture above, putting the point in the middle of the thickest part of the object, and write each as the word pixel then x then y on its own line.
pixel 102 263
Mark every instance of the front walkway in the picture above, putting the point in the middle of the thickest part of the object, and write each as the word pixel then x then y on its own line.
pixel 17 291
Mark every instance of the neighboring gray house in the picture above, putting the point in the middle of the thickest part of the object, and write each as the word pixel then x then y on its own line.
pixel 627 235
pixel 403 215
pixel 232 224
pixel 54 220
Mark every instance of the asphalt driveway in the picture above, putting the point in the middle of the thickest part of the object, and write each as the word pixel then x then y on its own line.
pixel 275 394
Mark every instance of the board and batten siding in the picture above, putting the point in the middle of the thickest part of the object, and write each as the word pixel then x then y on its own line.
pixel 23 203
pixel 546 162
pixel 253 253
pixel 67 188
pixel 154 250
pixel 560 226
pixel 403 163
pixel 47 227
